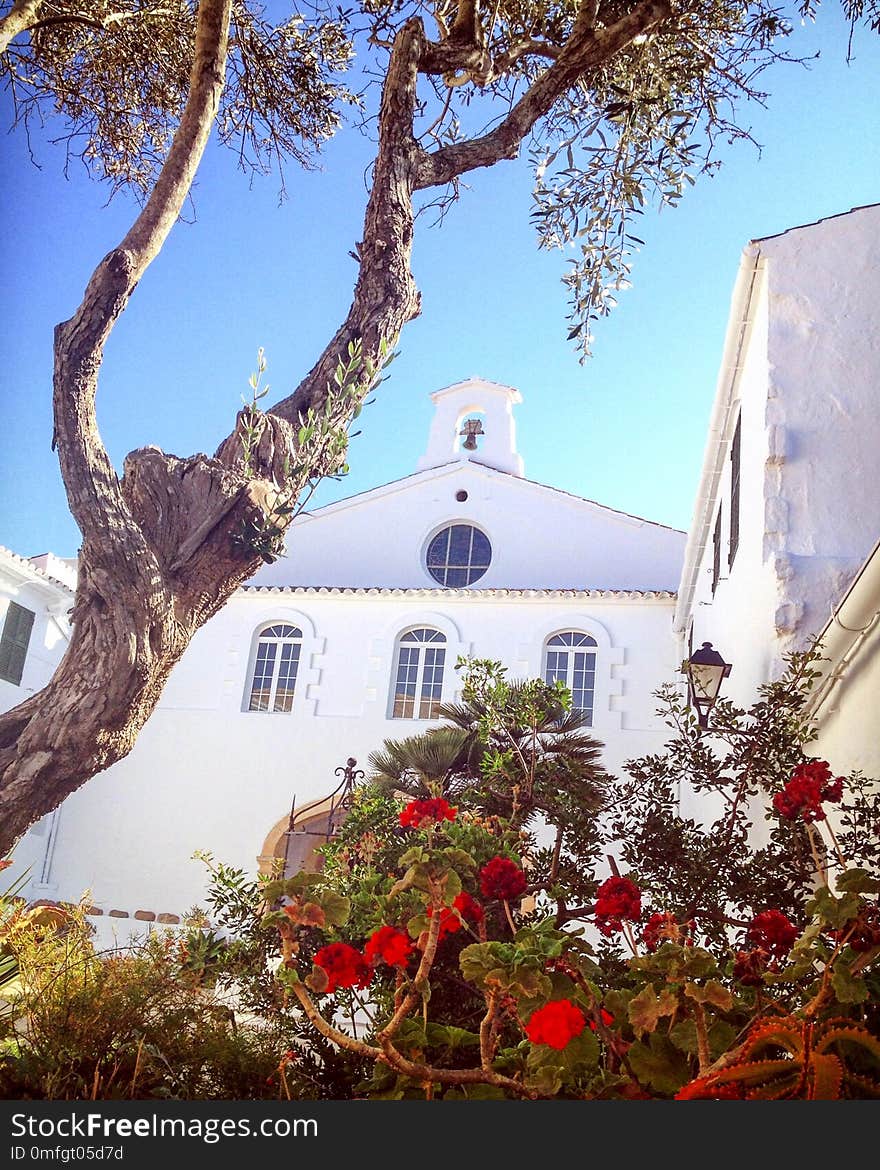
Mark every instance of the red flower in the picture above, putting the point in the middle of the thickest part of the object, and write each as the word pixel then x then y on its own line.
pixel 607 1019
pixel 659 928
pixel 749 967
pixel 802 796
pixel 449 921
pixel 344 966
pixel 771 931
pixel 556 1023
pixel 420 813
pixel 469 908
pixel 502 878
pixel 389 945
pixel 617 898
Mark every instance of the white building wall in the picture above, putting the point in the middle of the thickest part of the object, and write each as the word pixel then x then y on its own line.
pixel 801 362
pixel 206 774
pixel 30 583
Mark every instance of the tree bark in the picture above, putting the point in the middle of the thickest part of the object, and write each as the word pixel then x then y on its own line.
pixel 21 16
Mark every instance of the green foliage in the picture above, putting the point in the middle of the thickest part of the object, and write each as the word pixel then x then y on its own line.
pixel 139 1023
pixel 116 78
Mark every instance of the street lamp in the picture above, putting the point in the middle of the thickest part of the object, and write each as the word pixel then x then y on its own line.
pixel 705 670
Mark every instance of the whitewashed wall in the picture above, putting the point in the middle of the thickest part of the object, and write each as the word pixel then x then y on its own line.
pixel 801 362
pixel 206 774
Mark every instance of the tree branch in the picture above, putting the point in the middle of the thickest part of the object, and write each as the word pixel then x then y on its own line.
pixel 385 295
pixel 21 16
pixel 586 50
pixel 93 489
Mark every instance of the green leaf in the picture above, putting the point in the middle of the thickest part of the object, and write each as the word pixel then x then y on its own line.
pixel 848 988
pixel 545 1078
pixel 648 1008
pixel 858 881
pixel 659 1065
pixel 835 912
pixel 448 1036
pixel 336 908
pixel 711 992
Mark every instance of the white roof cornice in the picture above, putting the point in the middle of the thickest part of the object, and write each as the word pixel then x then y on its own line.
pixel 464 594
pixel 25 571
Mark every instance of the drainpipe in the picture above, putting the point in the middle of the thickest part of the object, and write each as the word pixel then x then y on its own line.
pixel 857 615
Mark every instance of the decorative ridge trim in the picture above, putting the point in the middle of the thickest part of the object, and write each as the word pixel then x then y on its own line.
pixel 474 594
pixel 20 562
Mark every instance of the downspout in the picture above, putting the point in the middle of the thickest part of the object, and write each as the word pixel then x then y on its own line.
pixel 857 615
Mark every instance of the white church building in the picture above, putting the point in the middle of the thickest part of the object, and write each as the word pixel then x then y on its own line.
pixel 320 657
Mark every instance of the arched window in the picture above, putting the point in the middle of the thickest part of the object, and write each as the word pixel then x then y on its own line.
pixel 418 674
pixel 570 657
pixel 275 666
pixel 458 555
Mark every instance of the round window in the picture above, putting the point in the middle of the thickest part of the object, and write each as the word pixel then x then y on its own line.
pixel 458 555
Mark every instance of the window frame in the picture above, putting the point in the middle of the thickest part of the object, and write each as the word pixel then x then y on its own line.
pixel 716 550
pixel 261 667
pixel 14 645
pixel 735 476
pixel 439 574
pixel 422 696
pixel 589 648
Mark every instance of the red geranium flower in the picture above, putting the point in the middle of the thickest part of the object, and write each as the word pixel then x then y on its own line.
pixel 771 931
pixel 420 813
pixel 389 945
pixel 659 928
pixel 449 921
pixel 468 907
pixel 502 878
pixel 556 1023
pixel 607 1019
pixel 344 966
pixel 810 784
pixel 617 898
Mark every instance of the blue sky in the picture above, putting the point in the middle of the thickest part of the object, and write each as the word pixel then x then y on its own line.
pixel 627 429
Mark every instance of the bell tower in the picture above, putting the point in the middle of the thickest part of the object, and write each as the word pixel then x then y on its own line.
pixel 473 421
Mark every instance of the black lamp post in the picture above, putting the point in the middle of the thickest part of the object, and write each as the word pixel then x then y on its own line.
pixel 705 670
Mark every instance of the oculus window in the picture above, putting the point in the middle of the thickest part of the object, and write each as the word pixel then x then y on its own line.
pixel 458 555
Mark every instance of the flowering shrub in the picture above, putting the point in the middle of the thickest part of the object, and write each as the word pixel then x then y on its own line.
pixel 503 879
pixel 585 991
